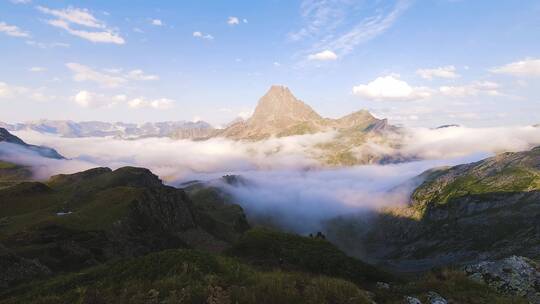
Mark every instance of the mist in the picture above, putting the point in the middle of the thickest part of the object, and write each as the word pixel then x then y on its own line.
pixel 287 186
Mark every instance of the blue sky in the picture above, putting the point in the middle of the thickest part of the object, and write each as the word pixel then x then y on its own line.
pixel 418 63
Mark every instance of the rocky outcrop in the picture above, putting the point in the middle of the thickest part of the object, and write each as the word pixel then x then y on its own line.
pixel 515 275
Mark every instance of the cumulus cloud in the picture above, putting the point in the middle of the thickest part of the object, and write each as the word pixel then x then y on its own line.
pixel 202 35
pixel 529 67
pixel 233 21
pixel 157 22
pixel 12 30
pixel 323 56
pixel 93 29
pixel 447 72
pixel 159 104
pixel 390 88
pixel 88 99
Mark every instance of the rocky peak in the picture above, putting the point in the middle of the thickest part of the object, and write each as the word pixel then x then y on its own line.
pixel 279 105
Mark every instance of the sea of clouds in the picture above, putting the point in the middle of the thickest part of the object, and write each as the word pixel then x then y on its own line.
pixel 285 180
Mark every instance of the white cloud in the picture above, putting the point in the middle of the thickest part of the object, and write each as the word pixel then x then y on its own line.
pixel 37 69
pixel 12 30
pixel 85 73
pixel 43 45
pixel 323 56
pixel 473 89
pixel 529 67
pixel 201 35
pixel 159 104
pixel 233 21
pixel 447 72
pixel 69 17
pixel 88 99
pixel 276 64
pixel 20 92
pixel 157 22
pixel 390 88
pixel 21 1
pixel 109 78
pixel 140 75
pixel 334 24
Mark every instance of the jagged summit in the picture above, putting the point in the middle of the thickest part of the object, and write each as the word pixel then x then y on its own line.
pixel 280 106
pixel 279 113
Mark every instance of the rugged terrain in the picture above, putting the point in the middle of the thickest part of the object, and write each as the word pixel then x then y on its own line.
pixel 485 210
pixel 122 236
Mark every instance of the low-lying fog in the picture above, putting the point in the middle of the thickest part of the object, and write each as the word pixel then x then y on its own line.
pixel 285 181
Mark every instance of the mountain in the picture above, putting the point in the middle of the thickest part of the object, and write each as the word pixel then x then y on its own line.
pixel 78 220
pixel 279 114
pixel 6 137
pixel 66 128
pixel 484 210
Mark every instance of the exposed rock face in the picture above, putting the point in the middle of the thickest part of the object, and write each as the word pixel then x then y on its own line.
pixel 435 298
pixel 517 276
pixel 468 213
pixel 280 114
pixel 9 138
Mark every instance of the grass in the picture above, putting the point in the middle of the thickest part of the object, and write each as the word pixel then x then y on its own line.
pixel 270 249
pixel 185 276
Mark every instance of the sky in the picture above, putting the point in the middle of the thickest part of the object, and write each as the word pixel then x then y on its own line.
pixel 416 62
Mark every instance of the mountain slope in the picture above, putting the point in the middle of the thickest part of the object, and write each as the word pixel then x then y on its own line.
pixel 484 210
pixel 6 137
pixel 78 220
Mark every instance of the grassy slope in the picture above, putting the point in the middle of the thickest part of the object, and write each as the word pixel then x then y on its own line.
pixel 185 276
pixel 483 177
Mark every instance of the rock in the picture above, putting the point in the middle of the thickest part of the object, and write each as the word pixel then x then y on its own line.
pixel 383 285
pixel 435 298
pixel 412 300
pixel 515 275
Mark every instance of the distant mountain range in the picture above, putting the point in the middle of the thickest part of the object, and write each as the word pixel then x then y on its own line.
pixel 67 128
pixel 278 114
